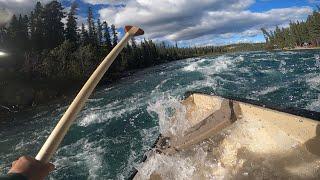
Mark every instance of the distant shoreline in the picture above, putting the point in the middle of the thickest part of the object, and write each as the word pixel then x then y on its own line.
pixel 298 49
pixel 311 48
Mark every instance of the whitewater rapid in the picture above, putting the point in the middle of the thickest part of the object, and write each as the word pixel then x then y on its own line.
pixel 121 121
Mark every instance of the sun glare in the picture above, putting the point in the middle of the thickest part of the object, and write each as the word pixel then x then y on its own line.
pixel 2 54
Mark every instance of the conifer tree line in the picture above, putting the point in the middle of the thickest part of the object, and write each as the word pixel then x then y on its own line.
pixel 49 49
pixel 298 34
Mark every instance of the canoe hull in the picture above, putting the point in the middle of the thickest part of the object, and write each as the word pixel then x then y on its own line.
pixel 281 131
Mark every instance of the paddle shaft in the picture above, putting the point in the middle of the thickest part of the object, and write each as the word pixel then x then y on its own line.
pixel 58 133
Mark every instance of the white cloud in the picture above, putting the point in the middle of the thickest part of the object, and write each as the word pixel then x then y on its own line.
pixel 95 2
pixel 10 7
pixel 189 19
pixel 220 22
pixel 108 14
pixel 178 20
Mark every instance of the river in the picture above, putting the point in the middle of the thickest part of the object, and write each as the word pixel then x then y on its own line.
pixel 121 122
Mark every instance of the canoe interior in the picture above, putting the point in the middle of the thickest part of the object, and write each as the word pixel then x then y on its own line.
pixel 291 142
pixel 200 106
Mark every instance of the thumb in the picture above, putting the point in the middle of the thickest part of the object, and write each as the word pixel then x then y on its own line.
pixel 14 162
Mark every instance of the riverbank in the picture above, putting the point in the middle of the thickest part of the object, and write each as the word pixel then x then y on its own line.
pixel 301 48
pixel 19 91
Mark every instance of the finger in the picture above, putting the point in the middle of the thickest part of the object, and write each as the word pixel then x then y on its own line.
pixel 50 167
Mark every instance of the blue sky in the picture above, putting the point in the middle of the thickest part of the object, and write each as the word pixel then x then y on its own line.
pixel 189 22
pixel 264 5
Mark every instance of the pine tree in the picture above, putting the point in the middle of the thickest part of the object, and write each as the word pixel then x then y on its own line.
pixel 99 32
pixel 3 37
pixel 13 32
pixel 37 27
pixel 71 26
pixel 84 35
pixel 53 27
pixel 133 43
pixel 266 35
pixel 23 35
pixel 114 35
pixel 107 36
pixel 313 24
pixel 305 36
pixel 91 28
pixel 297 34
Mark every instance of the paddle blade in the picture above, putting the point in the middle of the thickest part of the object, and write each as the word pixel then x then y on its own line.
pixel 138 33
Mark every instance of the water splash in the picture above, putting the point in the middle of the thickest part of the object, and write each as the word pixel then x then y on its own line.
pixel 171 114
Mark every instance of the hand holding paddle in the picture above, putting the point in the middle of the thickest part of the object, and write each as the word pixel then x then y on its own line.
pixel 56 136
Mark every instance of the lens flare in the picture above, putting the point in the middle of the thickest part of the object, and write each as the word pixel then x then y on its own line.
pixel 2 54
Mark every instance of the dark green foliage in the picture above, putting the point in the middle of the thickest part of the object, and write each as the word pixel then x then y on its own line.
pixel 99 32
pixel 22 33
pixel 296 35
pixel 67 62
pixel 91 28
pixel 53 27
pixel 71 26
pixel 84 35
pixel 13 31
pixel 314 30
pixel 56 53
pixel 3 37
pixel 37 27
pixel 114 35
pixel 107 37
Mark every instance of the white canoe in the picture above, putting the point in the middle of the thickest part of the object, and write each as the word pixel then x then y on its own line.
pixel 232 139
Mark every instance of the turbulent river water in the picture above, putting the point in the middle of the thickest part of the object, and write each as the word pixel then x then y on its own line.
pixel 121 122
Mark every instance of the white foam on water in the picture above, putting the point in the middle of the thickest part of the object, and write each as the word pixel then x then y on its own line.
pixel 95 100
pixel 157 89
pixel 222 63
pixel 315 105
pixel 268 90
pixel 193 64
pixel 313 81
pixel 267 71
pixel 149 136
pixel 192 67
pixel 87 155
pixel 282 68
pixel 109 88
pixel 115 109
pixel 215 66
pixel 285 53
pixel 168 167
pixel 32 140
pixel 89 119
pixel 304 59
pixel 261 59
pixel 170 122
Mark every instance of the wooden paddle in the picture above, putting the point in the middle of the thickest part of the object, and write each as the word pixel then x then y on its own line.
pixel 58 133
